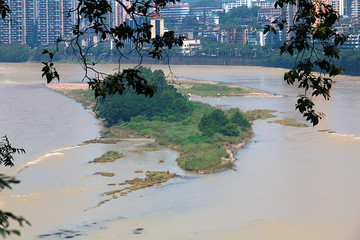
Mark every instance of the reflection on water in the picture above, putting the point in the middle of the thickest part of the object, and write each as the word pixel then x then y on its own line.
pixel 290 183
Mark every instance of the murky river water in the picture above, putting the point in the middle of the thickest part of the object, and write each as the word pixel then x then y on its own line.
pixel 290 183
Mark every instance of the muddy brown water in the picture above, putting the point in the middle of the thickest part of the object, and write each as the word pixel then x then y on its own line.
pixel 290 183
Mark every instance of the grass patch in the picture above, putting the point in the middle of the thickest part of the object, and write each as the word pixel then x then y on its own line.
pixel 105 174
pixel 327 130
pixel 85 97
pixel 260 114
pixel 289 122
pixel 151 179
pixel 109 156
pixel 62 234
pixel 150 147
pixel 134 151
pixel 211 89
pixel 103 141
pixel 116 132
pixel 138 231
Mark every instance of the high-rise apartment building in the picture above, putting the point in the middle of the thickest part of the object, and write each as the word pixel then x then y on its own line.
pixel 339 6
pixel 158 27
pixel 288 12
pixel 262 3
pixel 235 36
pixel 353 8
pixel 36 21
pixel 30 27
pixel 267 14
pixel 227 5
pixel 13 29
pixel 176 11
pixel 119 15
pixel 53 20
pixel 68 19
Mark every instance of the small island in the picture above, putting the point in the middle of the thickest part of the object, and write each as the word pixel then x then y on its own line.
pixel 289 122
pixel 109 156
pixel 204 135
pixel 128 186
pixel 197 88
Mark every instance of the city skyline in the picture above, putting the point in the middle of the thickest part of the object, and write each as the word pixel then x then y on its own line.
pixel 35 22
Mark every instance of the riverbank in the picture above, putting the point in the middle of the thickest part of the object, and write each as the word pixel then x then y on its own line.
pixel 197 88
pixel 198 153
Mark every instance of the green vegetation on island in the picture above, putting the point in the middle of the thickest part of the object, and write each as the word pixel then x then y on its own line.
pixel 138 231
pixel 199 151
pixel 151 178
pixel 150 147
pixel 103 141
pixel 109 156
pixel 211 89
pixel 204 135
pixel 166 104
pixel 86 98
pixel 255 114
pixel 61 234
pixel 105 174
pixel 289 122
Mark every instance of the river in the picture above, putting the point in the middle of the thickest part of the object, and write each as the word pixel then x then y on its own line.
pixel 289 183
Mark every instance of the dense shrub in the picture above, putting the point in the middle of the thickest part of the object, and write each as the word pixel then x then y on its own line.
pixel 230 129
pixel 239 118
pixel 213 122
pixel 218 122
pixel 166 104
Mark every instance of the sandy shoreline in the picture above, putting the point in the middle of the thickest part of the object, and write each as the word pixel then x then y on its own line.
pixel 64 87
pixel 229 150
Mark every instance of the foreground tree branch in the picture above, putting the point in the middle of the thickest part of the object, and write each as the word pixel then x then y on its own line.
pixel 312 38
pixel 6 158
pixel 92 20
